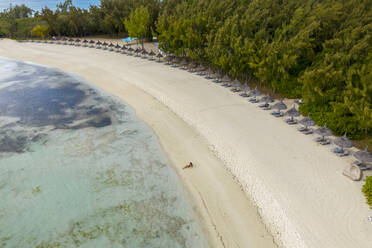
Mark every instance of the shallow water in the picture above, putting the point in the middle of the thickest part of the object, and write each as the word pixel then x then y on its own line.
pixel 79 169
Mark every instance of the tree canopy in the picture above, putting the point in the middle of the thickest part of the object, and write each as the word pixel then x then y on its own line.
pixel 139 24
pixel 69 20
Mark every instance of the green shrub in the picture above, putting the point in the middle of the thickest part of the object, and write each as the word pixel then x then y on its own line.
pixel 367 190
pixel 339 122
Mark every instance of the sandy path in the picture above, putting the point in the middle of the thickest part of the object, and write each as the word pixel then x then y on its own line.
pixel 296 183
pixel 228 217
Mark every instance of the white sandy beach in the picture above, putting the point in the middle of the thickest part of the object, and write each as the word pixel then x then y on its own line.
pixel 296 184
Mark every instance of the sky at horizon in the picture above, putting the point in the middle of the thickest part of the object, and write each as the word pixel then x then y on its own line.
pixel 39 4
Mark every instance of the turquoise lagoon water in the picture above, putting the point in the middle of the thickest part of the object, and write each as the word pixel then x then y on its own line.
pixel 79 169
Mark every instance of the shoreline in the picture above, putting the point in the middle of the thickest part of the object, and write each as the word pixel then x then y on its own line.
pixel 227 216
pixel 191 183
pixel 297 185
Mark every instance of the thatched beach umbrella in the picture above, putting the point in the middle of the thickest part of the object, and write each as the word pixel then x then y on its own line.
pixel 200 68
pixel 130 50
pixel 324 132
pixel 279 106
pixel 293 113
pixel 117 46
pixel 111 46
pixel 104 44
pixel 256 92
pixel 123 48
pixel 226 79
pixel 209 74
pixel 236 82
pixel 168 58
pixel 91 43
pixel 343 142
pixel 159 56
pixel 64 41
pixel 77 42
pixel 267 99
pixel 236 85
pixel 265 102
pixel 151 53
pixel 144 52
pixel 217 77
pixel 245 89
pixel 137 51
pixel 363 156
pixel 85 42
pixel 306 122
pixel 184 62
pixel 192 67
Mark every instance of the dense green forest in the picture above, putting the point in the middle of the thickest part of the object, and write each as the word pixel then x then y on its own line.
pixel 68 20
pixel 320 51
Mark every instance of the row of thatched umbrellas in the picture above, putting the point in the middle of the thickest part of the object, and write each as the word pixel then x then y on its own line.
pixel 343 142
pixel 104 45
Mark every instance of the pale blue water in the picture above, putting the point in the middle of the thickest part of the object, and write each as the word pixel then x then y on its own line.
pixel 39 4
pixel 79 169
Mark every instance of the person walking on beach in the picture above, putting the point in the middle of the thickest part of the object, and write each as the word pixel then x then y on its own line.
pixel 190 165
